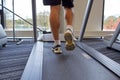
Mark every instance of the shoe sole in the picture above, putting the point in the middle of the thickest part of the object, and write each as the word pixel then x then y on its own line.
pixel 69 41
pixel 57 52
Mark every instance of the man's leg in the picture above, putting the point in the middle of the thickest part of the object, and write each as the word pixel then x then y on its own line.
pixel 69 16
pixel 55 21
pixel 55 25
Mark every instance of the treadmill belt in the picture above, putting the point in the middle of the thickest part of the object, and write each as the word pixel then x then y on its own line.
pixel 72 65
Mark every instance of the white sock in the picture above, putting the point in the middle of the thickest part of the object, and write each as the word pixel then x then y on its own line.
pixel 69 27
pixel 57 42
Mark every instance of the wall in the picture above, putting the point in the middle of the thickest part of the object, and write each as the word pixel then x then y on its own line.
pixel 95 19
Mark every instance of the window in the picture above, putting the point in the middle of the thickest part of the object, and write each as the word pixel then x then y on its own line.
pixel 23 16
pixel 26 13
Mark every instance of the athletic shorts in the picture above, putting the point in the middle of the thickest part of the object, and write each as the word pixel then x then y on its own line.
pixel 65 3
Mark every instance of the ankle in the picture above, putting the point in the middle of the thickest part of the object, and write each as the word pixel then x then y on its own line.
pixel 69 27
pixel 57 42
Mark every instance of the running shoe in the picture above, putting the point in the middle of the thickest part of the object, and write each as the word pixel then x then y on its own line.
pixel 57 49
pixel 69 45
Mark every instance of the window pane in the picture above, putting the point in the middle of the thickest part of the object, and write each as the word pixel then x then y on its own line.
pixel 9 20
pixel 23 8
pixel 111 14
pixel 23 25
pixel 8 14
pixel 24 11
pixel 1 4
pixel 43 15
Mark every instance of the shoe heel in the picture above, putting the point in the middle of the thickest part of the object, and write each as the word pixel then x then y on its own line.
pixel 69 41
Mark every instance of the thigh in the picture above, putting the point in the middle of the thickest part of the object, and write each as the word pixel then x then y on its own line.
pixel 51 2
pixel 67 3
